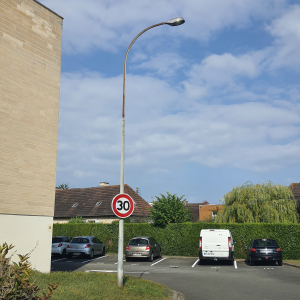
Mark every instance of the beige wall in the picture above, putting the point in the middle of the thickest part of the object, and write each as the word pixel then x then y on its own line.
pixel 106 220
pixel 25 232
pixel 30 62
pixel 30 47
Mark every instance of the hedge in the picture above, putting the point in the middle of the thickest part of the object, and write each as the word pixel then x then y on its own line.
pixel 183 239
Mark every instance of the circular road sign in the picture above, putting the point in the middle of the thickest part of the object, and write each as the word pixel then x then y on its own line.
pixel 122 205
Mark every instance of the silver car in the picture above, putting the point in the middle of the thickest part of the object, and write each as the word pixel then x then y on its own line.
pixel 59 245
pixel 85 245
pixel 142 247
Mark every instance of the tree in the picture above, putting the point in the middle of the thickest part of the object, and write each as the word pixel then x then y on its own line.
pixel 266 203
pixel 63 186
pixel 169 209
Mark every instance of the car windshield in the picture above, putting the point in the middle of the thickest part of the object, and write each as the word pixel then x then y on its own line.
pixel 136 242
pixel 57 240
pixel 80 241
pixel 264 243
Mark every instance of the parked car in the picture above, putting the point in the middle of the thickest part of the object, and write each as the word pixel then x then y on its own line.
pixel 263 250
pixel 59 245
pixel 142 247
pixel 216 244
pixel 85 245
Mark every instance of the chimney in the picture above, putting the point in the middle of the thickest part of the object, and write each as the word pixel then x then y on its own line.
pixel 104 184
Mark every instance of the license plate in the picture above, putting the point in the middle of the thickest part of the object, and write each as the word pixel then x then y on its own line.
pixel 265 251
pixel 76 253
pixel 137 254
pixel 208 253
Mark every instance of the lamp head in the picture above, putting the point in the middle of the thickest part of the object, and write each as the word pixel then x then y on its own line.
pixel 175 22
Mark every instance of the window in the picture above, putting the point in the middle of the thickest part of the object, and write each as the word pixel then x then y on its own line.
pixel 98 203
pixel 136 242
pixel 75 204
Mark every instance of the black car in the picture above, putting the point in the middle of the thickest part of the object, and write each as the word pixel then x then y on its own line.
pixel 264 250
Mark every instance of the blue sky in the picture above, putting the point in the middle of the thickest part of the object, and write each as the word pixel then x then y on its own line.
pixel 210 104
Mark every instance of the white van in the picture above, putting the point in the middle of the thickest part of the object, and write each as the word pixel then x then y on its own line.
pixel 216 244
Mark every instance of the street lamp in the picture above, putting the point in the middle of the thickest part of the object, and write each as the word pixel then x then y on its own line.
pixel 172 22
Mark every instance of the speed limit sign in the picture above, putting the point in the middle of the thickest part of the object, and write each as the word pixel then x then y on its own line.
pixel 122 205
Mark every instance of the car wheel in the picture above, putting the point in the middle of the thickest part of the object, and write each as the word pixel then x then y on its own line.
pixel 151 257
pixel 69 255
pixel 91 255
pixel 127 259
pixel 251 262
pixel 280 263
pixel 64 253
pixel 103 251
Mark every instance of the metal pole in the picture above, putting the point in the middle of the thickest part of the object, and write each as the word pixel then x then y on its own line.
pixel 121 221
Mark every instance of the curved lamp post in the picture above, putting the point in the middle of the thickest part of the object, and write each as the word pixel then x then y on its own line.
pixel 172 22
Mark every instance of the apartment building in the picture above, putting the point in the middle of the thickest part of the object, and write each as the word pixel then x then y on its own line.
pixel 30 65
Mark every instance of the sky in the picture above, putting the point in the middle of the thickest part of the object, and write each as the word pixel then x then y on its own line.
pixel 210 104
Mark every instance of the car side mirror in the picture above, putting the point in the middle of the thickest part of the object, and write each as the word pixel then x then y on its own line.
pixel 234 241
pixel 246 247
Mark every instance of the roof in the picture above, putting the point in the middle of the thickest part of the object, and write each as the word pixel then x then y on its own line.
pixel 295 188
pixel 86 199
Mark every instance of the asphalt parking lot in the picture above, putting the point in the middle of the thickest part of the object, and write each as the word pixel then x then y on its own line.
pixel 214 280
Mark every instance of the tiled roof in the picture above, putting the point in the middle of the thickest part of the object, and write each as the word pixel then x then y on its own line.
pixel 295 188
pixel 86 199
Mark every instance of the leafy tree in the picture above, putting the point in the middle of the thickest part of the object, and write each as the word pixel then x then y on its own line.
pixel 63 186
pixel 266 203
pixel 77 220
pixel 169 209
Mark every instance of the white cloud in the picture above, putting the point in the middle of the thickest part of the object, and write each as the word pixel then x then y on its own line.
pixel 253 136
pixel 286 30
pixel 163 64
pixel 108 24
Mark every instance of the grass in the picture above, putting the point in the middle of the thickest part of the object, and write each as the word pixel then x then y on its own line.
pixel 293 262
pixel 96 285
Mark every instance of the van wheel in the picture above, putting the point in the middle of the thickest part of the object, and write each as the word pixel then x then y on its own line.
pixel 200 262
pixel 127 259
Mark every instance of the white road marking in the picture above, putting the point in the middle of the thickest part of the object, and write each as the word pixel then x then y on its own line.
pixel 102 256
pixel 58 259
pixel 215 267
pixel 113 271
pixel 117 262
pixel 235 265
pixel 88 260
pixel 158 261
pixel 195 263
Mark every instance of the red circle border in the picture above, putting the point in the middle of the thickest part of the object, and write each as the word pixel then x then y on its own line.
pixel 116 198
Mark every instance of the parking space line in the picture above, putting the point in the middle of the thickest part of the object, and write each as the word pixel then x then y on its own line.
pixel 101 256
pixel 117 262
pixel 195 263
pixel 158 261
pixel 58 259
pixel 113 271
pixel 235 265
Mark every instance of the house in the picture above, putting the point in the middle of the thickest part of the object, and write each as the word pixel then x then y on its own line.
pixel 295 188
pixel 94 204
pixel 209 211
pixel 194 210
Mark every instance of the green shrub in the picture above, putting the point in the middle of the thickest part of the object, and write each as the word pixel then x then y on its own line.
pixel 77 220
pixel 183 239
pixel 14 278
